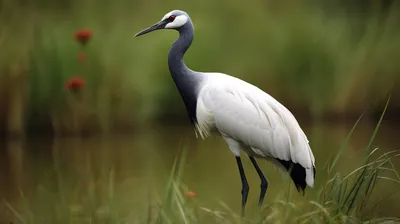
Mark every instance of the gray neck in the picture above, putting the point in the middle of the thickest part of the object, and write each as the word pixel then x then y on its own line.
pixel 175 57
pixel 186 80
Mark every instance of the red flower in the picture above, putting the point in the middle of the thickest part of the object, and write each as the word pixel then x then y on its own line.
pixel 190 194
pixel 81 57
pixel 83 36
pixel 75 84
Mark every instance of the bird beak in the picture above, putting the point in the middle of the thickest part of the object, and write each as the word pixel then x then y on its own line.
pixel 157 26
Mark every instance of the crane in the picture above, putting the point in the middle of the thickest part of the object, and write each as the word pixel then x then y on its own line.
pixel 248 119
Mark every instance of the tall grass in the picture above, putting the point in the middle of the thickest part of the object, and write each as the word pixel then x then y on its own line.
pixel 340 198
pixel 316 57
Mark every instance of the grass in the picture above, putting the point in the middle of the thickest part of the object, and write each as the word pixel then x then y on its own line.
pixel 339 198
pixel 317 58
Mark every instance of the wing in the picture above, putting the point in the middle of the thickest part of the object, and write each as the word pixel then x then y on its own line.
pixel 251 116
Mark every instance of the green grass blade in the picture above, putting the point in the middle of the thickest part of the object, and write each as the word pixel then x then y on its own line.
pixel 15 213
pixel 371 140
pixel 344 145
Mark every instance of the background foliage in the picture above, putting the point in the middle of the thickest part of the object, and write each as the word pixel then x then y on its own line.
pixel 321 58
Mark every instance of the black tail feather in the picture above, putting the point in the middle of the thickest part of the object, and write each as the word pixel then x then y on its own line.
pixel 297 173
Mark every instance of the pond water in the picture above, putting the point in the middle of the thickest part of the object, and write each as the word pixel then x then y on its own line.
pixel 45 173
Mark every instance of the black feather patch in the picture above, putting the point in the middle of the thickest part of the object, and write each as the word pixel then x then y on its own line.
pixel 297 173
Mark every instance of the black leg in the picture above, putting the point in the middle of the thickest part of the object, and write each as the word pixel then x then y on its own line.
pixel 264 182
pixel 245 185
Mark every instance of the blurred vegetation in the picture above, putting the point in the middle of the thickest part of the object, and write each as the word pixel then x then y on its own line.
pixel 318 57
pixel 342 200
pixel 339 198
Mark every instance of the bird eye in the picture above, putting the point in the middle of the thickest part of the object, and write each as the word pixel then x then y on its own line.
pixel 171 17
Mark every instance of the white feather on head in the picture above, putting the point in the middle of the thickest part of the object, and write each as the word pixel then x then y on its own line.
pixel 179 20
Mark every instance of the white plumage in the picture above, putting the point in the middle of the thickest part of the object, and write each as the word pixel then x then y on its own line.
pixel 249 119
pixel 252 121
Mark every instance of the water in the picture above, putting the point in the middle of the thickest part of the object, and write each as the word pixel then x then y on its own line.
pixel 49 172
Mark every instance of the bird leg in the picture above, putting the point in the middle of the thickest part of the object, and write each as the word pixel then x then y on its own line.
pixel 245 185
pixel 264 182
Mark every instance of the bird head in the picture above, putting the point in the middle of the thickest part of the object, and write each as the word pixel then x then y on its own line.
pixel 175 19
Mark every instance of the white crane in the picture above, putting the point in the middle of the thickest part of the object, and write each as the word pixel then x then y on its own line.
pixel 248 119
